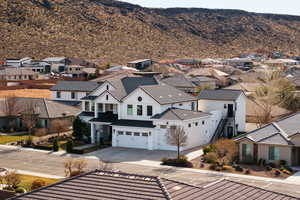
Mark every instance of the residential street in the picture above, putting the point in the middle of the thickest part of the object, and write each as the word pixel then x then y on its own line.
pixel 53 163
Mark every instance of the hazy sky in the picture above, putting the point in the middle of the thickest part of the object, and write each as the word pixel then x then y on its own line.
pixel 291 7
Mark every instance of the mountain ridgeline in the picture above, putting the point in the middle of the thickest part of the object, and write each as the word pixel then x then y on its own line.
pixel 118 32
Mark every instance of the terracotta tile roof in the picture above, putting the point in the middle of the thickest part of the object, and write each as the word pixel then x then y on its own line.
pixel 116 185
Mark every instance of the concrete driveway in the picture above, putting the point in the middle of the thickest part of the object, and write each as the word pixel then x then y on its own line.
pixel 119 154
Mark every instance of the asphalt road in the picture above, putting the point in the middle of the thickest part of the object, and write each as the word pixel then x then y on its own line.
pixel 49 163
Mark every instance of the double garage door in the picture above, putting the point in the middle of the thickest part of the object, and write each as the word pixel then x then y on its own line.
pixel 132 139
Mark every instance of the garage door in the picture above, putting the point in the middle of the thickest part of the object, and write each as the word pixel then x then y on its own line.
pixel 132 139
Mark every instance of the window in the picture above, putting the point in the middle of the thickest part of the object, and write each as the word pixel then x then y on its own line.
pixel 163 126
pixel 225 106
pixel 107 87
pixel 120 133
pixel 196 124
pixel 136 134
pixel 100 107
pixel 93 107
pixel 149 111
pixel 140 99
pixel 106 97
pixel 58 95
pixel 246 150
pixel 203 122
pixel 180 104
pixel 72 95
pixel 193 106
pixel 190 125
pixel 139 110
pixel 87 106
pixel 128 133
pixel 274 153
pixel 129 109
pixel 145 134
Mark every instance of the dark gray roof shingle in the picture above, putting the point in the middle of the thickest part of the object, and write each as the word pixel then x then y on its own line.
pixel 227 95
pixel 117 185
pixel 82 86
pixel 179 114
pixel 134 123
pixel 165 94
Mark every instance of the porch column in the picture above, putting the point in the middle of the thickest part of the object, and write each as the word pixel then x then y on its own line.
pixel 92 133
pixel 96 110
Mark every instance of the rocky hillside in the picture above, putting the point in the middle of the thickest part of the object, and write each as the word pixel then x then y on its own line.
pixel 118 32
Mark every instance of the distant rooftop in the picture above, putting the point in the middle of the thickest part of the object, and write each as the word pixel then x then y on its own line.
pixel 84 86
pixel 54 59
pixel 138 61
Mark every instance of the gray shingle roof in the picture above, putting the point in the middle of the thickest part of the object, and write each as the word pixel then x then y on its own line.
pixel 178 81
pixel 227 95
pixel 117 185
pixel 46 108
pixel 179 114
pixel 82 86
pixel 278 132
pixel 165 94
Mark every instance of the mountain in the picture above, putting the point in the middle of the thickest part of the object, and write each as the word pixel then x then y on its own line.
pixel 118 32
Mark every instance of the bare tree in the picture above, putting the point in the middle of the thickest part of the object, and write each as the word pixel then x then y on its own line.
pixel 30 117
pixel 226 150
pixel 60 126
pixel 10 106
pixel 74 167
pixel 176 136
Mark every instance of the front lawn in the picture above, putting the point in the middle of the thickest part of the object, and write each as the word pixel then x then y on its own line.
pixel 4 139
pixel 26 181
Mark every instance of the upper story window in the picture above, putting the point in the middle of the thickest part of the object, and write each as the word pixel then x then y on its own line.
pixel 190 125
pixel 225 106
pixel 72 95
pixel 149 111
pixel 58 95
pixel 203 122
pixel 93 107
pixel 106 97
pixel 193 106
pixel 139 110
pixel 100 107
pixel 107 87
pixel 196 124
pixel 140 99
pixel 129 109
pixel 87 106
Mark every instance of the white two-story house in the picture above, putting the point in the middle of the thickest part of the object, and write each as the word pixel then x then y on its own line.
pixel 137 112
pixel 71 92
pixel 232 105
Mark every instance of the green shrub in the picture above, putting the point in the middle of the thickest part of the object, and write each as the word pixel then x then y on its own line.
pixel 55 145
pixel 181 162
pixel 207 149
pixel 20 190
pixel 282 163
pixel 211 157
pixel 69 147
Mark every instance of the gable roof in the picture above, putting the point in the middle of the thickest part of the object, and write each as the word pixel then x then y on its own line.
pixel 165 94
pixel 227 95
pixel 82 86
pixel 179 114
pixel 100 184
pixel 45 108
pixel 278 132
pixel 178 81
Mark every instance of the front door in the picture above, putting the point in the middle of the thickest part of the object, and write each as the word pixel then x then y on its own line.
pixel 229 132
pixel 230 110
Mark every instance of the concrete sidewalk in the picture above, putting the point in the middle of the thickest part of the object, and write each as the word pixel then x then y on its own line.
pixel 30 173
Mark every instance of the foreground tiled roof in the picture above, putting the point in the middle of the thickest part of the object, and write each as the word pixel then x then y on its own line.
pixel 116 185
pixel 278 132
pixel 227 95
